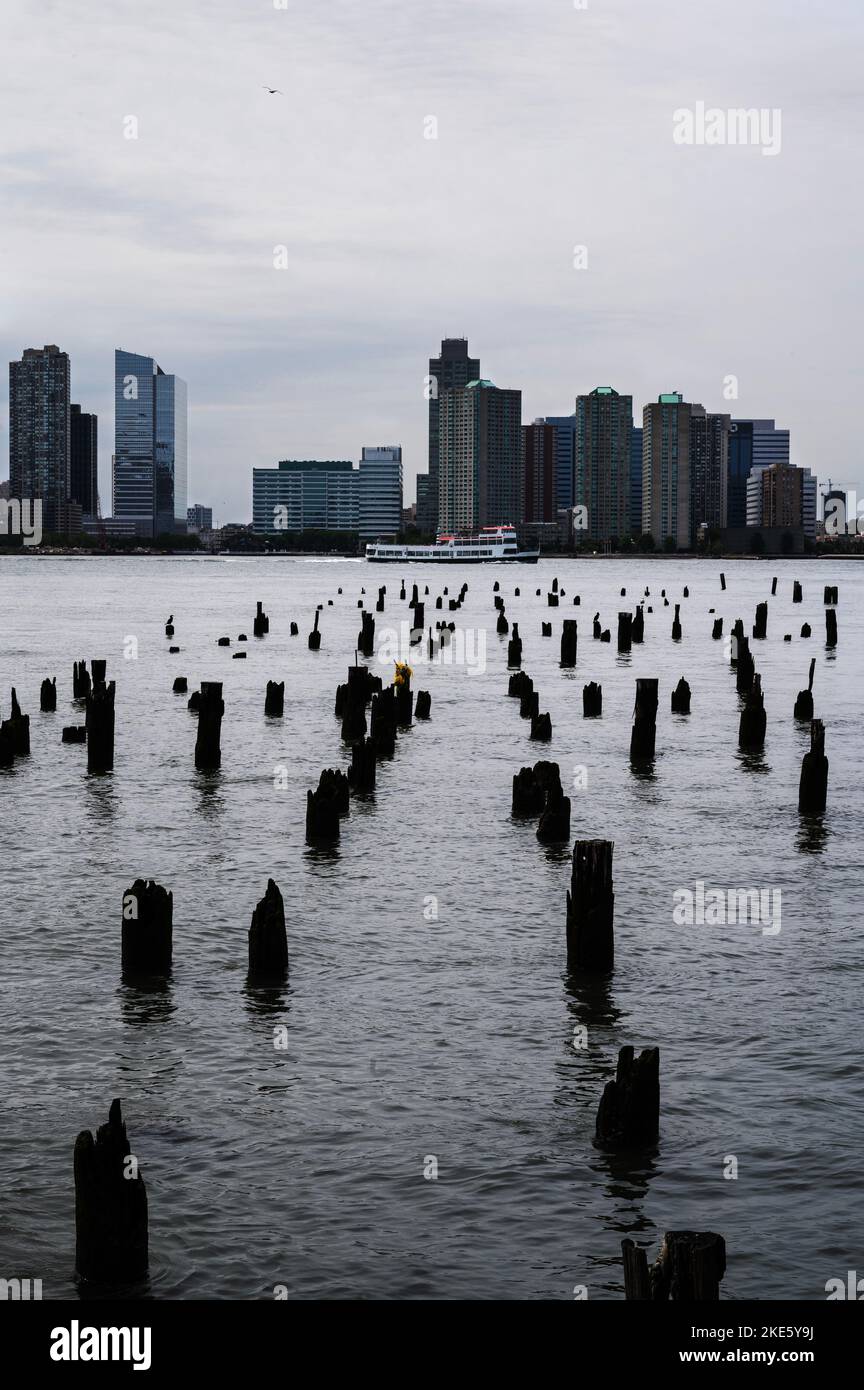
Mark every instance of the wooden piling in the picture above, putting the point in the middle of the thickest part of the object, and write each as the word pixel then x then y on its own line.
pixel 100 728
pixel 361 773
pixel 629 1113
pixel 48 695
pixel 147 930
pixel 642 738
pixel 422 705
pixel 592 700
pixel 80 681
pixel 751 727
pixel 804 702
pixel 689 1268
pixel 625 628
pixel 211 707
pixel 569 639
pixel 830 627
pixel 111 1239
pixel 591 908
pixel 274 699
pixel 813 786
pixel 268 939
pixel 681 698
pixel 676 624
pixel 760 626
pixel 314 640
pixel 260 625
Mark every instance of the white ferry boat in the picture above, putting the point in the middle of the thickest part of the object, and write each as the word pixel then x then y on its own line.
pixel 491 543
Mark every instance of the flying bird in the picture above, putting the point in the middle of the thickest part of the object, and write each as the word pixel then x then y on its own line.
pixel 274 91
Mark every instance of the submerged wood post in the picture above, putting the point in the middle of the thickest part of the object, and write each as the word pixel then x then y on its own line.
pixel 268 940
pixel 592 700
pixel 111 1241
pixel 18 725
pixel 629 1113
pixel 760 626
pixel 422 705
pixel 315 636
pixel 804 702
pixel 813 786
pixel 356 693
pixel 7 745
pixel 774 586
pixel 147 931
pixel 100 728
pixel 361 773
pixel 541 726
pixel 322 815
pixel 514 647
pixel 722 580
pixel 48 695
pixel 643 737
pixel 637 629
pixel 366 635
pixel 597 628
pixel 830 593
pixel 830 627
pixel 796 592
pixel 80 680
pixel 260 623
pixel 688 1269
pixel 554 826
pixel 274 699
pixel 717 629
pixel 211 707
pixel 569 638
pixel 529 794
pixel 591 907
pixel 676 624
pixel 625 628
pixel 745 669
pixel 681 698
pixel 751 728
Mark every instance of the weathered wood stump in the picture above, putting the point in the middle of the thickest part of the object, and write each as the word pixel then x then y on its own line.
pixel 322 816
pixel 80 680
pixel 111 1240
pixel 722 580
pixel 774 586
pixel 592 700
pixel 100 728
pixel 514 647
pixel 745 669
pixel 804 702
pixel 274 699
pixel 223 641
pixel 637 627
pixel 260 626
pixel 502 627
pixel 681 698
pixel 366 635
pixel 676 624
pixel 830 593
pixel 625 629
pixel 268 940
pixel 753 722
pixel 18 725
pixel 569 639
pixel 796 592
pixel 48 695
pixel 596 627
pixel 591 908
pixel 629 1113
pixel 180 686
pixel 541 728
pixel 361 773
pixel 554 824
pixel 147 930
pixel 7 746
pixel 423 705
pixel 545 629
pixel 830 627
pixel 813 786
pixel 211 707
pixel 73 733
pixel 717 629
pixel 688 1269
pixel 294 630
pixel 643 736
pixel 529 795
pixel 760 626
pixel 169 626
pixel 314 641
pixel 552 600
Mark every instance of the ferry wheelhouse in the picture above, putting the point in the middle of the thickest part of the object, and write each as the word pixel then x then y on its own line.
pixel 490 543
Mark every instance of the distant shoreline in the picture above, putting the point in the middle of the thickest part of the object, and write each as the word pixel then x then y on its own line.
pixel 143 554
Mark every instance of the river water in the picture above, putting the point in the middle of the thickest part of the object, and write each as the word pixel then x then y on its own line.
pixel 429 1023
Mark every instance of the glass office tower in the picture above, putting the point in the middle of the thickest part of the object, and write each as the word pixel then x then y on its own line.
pixel 150 446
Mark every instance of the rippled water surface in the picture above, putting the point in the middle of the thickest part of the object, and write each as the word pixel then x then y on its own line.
pixel 410 1038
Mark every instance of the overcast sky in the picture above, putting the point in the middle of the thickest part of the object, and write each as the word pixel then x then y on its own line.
pixel 554 130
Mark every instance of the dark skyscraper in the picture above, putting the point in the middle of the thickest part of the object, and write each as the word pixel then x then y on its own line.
pixel 709 463
pixel 636 479
pixel 150 446
pixel 604 424
pixel 84 475
pixel 740 463
pixel 39 444
pixel 565 451
pixel 538 441
pixel 453 368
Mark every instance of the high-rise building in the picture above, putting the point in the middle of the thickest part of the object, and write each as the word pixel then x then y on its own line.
pixel 751 443
pixel 150 446
pixel 39 431
pixel 305 495
pixel 604 422
pixel 83 461
pixel 481 473
pixel 199 518
pixel 380 492
pixel 452 368
pixel 538 443
pixel 564 427
pixel 666 469
pixel 709 468
pixel 636 480
pixel 782 495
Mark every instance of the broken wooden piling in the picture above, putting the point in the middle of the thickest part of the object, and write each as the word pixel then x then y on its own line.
pixel 260 623
pixel 592 700
pixel 813 786
pixel 268 939
pixel 48 695
pixel 569 639
pixel 100 727
pixel 688 1269
pixel 681 698
pixel 643 736
pixel 211 707
pixel 753 722
pixel 274 699
pixel 591 908
pixel 111 1238
pixel 628 1116
pixel 147 930
pixel 804 702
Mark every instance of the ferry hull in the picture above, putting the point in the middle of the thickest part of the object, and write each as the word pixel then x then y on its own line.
pixel 530 558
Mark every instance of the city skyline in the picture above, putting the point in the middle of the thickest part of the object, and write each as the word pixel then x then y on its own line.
pixel 109 247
